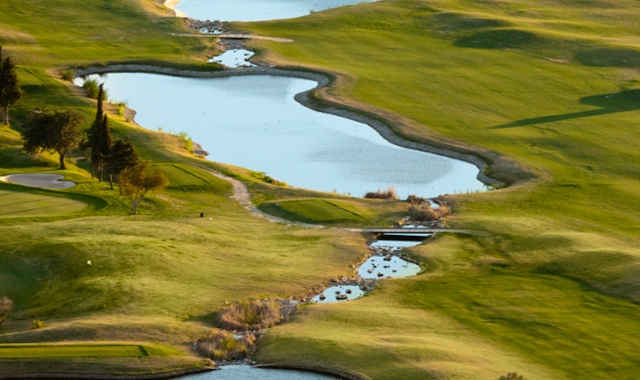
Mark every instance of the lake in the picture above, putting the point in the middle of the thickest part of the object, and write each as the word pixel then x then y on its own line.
pixel 254 122
pixel 256 10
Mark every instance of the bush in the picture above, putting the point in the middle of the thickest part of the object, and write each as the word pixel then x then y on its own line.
pixel 6 307
pixel 390 193
pixel 122 107
pixel 93 88
pixel 254 315
pixel 68 75
pixel 37 324
pixel 224 345
pixel 264 177
pixel 416 200
pixel 424 212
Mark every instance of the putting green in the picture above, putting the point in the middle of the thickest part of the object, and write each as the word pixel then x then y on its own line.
pixel 18 204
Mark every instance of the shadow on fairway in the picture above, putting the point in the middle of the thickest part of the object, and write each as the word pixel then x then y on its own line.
pixel 608 104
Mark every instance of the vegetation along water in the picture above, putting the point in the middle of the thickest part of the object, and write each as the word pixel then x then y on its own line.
pixel 542 282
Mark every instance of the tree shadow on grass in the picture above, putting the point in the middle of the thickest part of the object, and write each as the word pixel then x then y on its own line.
pixel 608 104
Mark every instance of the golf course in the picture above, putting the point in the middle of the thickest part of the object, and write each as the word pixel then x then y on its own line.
pixel 542 277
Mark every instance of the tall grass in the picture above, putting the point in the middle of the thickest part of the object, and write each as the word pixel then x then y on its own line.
pixel 92 87
pixel 224 345
pixel 390 193
pixel 252 315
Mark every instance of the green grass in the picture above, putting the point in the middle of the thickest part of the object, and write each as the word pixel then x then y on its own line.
pixel 81 351
pixel 94 33
pixel 321 210
pixel 547 287
pixel 17 204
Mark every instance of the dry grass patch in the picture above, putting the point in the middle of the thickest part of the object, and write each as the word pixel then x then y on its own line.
pixel 224 345
pixel 250 316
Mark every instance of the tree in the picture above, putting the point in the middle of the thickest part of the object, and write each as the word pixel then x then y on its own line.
pixel 122 155
pixel 137 181
pixel 99 137
pixel 59 132
pixel 10 91
pixel 6 306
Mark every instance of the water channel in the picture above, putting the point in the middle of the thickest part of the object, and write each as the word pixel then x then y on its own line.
pixel 254 122
pixel 256 10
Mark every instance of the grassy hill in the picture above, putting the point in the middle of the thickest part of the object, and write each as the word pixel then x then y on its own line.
pixel 547 287
pixel 553 86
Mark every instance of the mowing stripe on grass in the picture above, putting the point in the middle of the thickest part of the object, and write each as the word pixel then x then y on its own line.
pixel 71 351
pixel 17 204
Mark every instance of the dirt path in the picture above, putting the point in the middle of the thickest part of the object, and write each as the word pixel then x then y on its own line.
pixel 242 195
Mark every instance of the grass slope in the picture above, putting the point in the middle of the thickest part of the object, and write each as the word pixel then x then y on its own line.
pixel 24 204
pixel 545 288
pixel 553 86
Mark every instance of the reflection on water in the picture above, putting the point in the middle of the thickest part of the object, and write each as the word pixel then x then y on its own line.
pixel 245 372
pixel 234 58
pixel 254 122
pixel 256 10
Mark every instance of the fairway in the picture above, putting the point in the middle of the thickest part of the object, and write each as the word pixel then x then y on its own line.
pixel 321 210
pixel 71 351
pixel 546 93
pixel 16 204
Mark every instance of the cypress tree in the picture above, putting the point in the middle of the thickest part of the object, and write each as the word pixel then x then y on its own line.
pixel 10 91
pixel 104 144
pixel 99 137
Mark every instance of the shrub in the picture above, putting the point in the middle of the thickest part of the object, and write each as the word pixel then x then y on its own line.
pixel 424 212
pixel 264 177
pixel 416 200
pixel 254 315
pixel 6 307
pixel 68 74
pixel 224 345
pixel 122 107
pixel 92 88
pixel 390 193
pixel 37 324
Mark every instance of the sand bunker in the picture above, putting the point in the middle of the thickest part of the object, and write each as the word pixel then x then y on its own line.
pixel 47 181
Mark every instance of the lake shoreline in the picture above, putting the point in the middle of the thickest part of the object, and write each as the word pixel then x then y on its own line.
pixel 504 172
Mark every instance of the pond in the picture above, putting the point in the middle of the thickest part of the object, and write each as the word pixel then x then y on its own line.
pixel 254 122
pixel 339 293
pixel 244 372
pixel 256 10
pixel 390 266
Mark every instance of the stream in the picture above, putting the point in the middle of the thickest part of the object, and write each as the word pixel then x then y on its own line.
pixel 254 122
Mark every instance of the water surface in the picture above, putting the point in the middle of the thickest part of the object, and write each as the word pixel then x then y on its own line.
pixel 245 372
pixel 395 267
pixel 256 10
pixel 338 292
pixel 254 122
